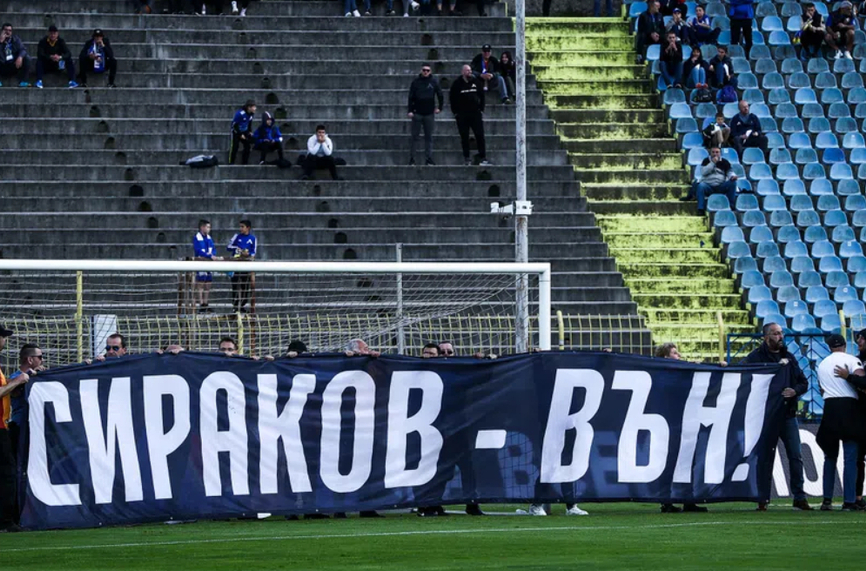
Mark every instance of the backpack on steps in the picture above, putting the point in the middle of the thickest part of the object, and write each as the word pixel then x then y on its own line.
pixel 728 94
pixel 702 95
pixel 201 162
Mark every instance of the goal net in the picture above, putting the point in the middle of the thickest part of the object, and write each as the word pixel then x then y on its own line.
pixel 70 307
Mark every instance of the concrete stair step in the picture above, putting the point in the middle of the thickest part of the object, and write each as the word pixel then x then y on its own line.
pixel 603 307
pixel 686 300
pixel 566 295
pixel 596 87
pixel 578 116
pixel 639 101
pixel 672 269
pixel 668 285
pixel 634 160
pixel 581 279
pixel 626 176
pixel 605 192
pixel 667 316
pixel 665 145
pixel 584 57
pixel 629 223
pixel 683 255
pixel 600 42
pixel 669 240
pixel 638 207
pixel 576 73
pixel 613 131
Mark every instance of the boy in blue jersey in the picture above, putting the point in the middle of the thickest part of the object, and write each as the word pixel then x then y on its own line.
pixel 243 248
pixel 204 249
pixel 268 138
pixel 242 131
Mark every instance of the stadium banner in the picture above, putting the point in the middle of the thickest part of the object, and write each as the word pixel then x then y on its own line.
pixel 175 437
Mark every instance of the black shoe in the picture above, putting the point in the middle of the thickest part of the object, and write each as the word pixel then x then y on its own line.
pixel 701 212
pixel 315 516
pixel 292 518
pixel 412 162
pixel 12 528
pixel 861 502
pixel 430 162
pixel 370 513
pixel 762 506
pixel 802 505
pixel 340 515
pixel 111 86
pixel 473 509
pixel 852 507
pixel 826 505
pixel 694 508
pixel 82 84
pixel 671 509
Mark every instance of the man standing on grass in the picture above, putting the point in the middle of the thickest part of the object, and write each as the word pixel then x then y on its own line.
pixel 774 350
pixel 8 468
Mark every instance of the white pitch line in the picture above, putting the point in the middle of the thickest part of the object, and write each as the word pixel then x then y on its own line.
pixel 422 532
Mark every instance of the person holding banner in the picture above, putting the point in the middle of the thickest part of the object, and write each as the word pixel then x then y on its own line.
pixel 8 469
pixel 774 350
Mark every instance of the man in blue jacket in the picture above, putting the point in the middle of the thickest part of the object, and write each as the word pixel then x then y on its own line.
pixel 96 57
pixel 13 56
pixel 268 138
pixel 741 15
pixel 746 130
pixel 243 248
pixel 242 131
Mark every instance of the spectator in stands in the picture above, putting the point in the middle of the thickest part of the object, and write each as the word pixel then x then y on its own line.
pixel 467 104
pixel 446 349
pixel 31 361
pixel 268 139
pixel 486 68
pixel 746 130
pixel 96 57
pixel 841 421
pixel 425 102
pixel 701 30
pixel 843 373
pixel 204 251
pixel 508 69
pixel 840 31
pixel 716 178
pixel 243 247
pixel 741 14
pixel 228 347
pixel 244 4
pixel 360 347
pixel 650 28
pixel 695 70
pixel 242 131
pixel 596 8
pixel 8 467
pixel 53 55
pixel 670 351
pixel 320 154
pixel 812 32
pixel 671 61
pixel 452 8
pixel 721 68
pixel 430 351
pixel 142 6
pixel 13 56
pixel 679 27
pixel 775 350
pixel 716 133
pixel 480 5
pixel 667 7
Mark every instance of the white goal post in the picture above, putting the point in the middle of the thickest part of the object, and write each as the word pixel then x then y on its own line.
pixel 138 284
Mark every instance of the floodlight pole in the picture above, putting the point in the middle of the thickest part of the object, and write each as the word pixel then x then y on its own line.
pixel 521 219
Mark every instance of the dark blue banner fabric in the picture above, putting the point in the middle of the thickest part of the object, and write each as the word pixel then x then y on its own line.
pixel 160 437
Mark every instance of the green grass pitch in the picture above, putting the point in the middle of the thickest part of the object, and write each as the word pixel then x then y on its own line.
pixel 613 536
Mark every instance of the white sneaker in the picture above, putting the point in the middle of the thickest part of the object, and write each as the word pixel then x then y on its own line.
pixel 204 10
pixel 574 510
pixel 415 6
pixel 234 7
pixel 838 55
pixel 405 15
pixel 356 14
pixel 847 54
pixel 537 509
pixel 243 12
pixel 348 14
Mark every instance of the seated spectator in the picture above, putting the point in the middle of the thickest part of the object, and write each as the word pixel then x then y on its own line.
pixel 320 154
pixel 452 8
pixel 244 4
pixel 96 57
pixel 671 61
pixel 695 70
pixel 812 32
pixel 13 56
pixel 508 69
pixel 679 27
pixel 667 7
pixel 840 31
pixel 746 130
pixel 242 131
pixel 268 138
pixel 53 55
pixel 721 69
pixel 486 68
pixel 716 178
pixel 650 27
pixel 716 133
pixel 701 29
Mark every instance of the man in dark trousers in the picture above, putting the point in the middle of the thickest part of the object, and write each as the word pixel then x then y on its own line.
pixel 741 14
pixel 650 29
pixel 13 56
pixel 746 130
pixel 242 131
pixel 243 247
pixel 425 102
pixel 96 57
pixel 860 339
pixel 774 350
pixel 8 468
pixel 467 104
pixel 53 55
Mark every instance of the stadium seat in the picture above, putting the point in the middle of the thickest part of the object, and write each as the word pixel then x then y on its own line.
pixel 861 172
pixel 805 155
pixel 857 96
pixel 636 9
pixel 815 233
pixel 692 140
pixel 812 110
pixel 842 233
pixel 855 202
pixel 751 156
pixel 724 218
pixel 832 95
pixel 829 264
pixel 705 110
pixel 802 322
pixel 794 187
pixel 697 155
pixel 842 66
pixel 786 110
pixel 787 171
pixel 833 155
pixel 817 65
pixel 817 293
pixel 805 95
pixel 824 307
pixel 779 38
pixel 802 264
pixel 800 140
pixel 744 264
pixel 771 21
pixel 680 111
pixel 791 65
pixel 858 220
pixel 812 171
pixel 740 65
pixel 774 202
pixel 849 186
pixel 845 125
pixel 853 141
pixel 717 202
pixel 759 50
pixel 837 280
pixel 732 234
pixel 787 294
pixel 652 52
pixel 824 80
pixel 799 80
pixel 780 219
pixel 860 110
pixel 766 307
pixel 851 80
pixel 838 110
pixel 686 125
pixel 795 308
pixel 730 155
pixel 826 140
pixel 841 171
pixel 760 234
pixel 768 124
pixel 767 66
pixel 850 249
pixel 831 324
pixel 795 250
pixel 752 218
pixel 767 187
pixel 739 250
pixel 781 278
pixel 778 97
pixel 844 293
pixel 860 283
pixel 808 218
pixel 801 202
pixel 792 125
pixel 781 53
pixel 743 185
pixel 674 95
pixel 853 307
pixel 760 171
pixel 775 140
pixel 716 10
pixel 780 156
pixel 773 264
pixel 747 81
pixel 787 234
pixel 819 125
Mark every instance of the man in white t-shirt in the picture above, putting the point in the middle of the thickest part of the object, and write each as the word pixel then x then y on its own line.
pixel 841 421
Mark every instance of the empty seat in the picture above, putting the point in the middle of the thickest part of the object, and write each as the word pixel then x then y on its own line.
pixel 752 218
pixel 717 202
pixel 786 294
pixel 860 110
pixel 853 307
pixel 817 65
pixel 844 293
pixel 780 156
pixel 856 95
pixel 853 141
pixel 850 249
pixel 774 264
pixel 739 250
pixel 836 280
pixel 841 171
pixel 826 140
pixel 786 110
pixel 760 234
pixel 861 172
pixel 860 282
pixel 760 171
pixel 751 156
pixel 833 155
pixel 842 233
pixel 746 202
pixel 808 218
pixel 730 109
pixel 858 220
pixel 824 307
pixel 849 186
pixel 831 324
pixel 812 110
pixel 779 38
pixel 831 95
pixel 833 218
pixel 765 66
pixel 845 125
pixel 818 125
pixel 780 219
pixel 855 202
pixel 704 110
pixel 680 111
pixel 796 307
pixel 692 140
pixel 812 171
pixel 805 155
pixel 747 81
pixel 759 50
pixel 766 187
pixel 744 264
pixel 730 155
pixel 802 322
pixel 817 293
pixel 802 264
pixel 799 140
pixel 820 187
pixel 805 95
pixel 781 278
pixel 795 250
pixel 828 202
pixel 636 9
pixel 652 52
pixel 787 171
pixel 786 234
pixel 801 202
pixel 732 234
pixel 799 80
pixel 740 65
pixel 851 80
pixel 829 264
pixel 774 202
pixel 686 125
pixel 792 125
pixel 775 140
pixel 696 156
pixel 760 110
pixel 766 307
pixel 841 66
pixel 674 95
pixel 808 278
pixel 768 124
pixel 838 110
pixel 814 234
pixel 824 80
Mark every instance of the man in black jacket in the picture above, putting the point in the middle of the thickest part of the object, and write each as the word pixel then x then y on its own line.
pixel 425 102
pixel 13 56
pixel 97 56
pixel 774 350
pixel 467 104
pixel 486 68
pixel 53 55
pixel 650 28
pixel 746 130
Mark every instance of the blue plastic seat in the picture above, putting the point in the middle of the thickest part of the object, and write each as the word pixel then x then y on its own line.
pixel 781 278
pixel 739 250
pixel 724 218
pixel 860 283
pixel 653 52
pixel 826 140
pixel 775 140
pixel 851 80
pixel 831 324
pixel 844 293
pixel 845 125
pixel 705 110
pixel 680 111
pixel 812 110
pixel 855 202
pixel 773 264
pixel 780 156
pixel 792 125
pixel 781 219
pixel 842 233
pixel 752 218
pixel 824 307
pixel 808 278
pixel 820 187
pixel 802 264
pixel 747 81
pixel 799 80
pixel 841 171
pixel 842 66
pixel 686 125
pixel 730 155
pixel 696 156
pixel 760 171
pixel 751 156
pixel 774 202
pixel 759 49
pixel 861 172
pixel 743 185
pixel 817 293
pixel 779 38
pixel 795 250
pixel 857 95
pixel 740 65
pixel 802 322
pixel 814 233
pixel 837 280
pixel 812 171
pixel 824 80
pixel 805 155
pixel 853 307
pixel 838 110
pixel 818 125
pixel 795 308
pixel 831 95
pixel 828 202
pixel 730 109
pixel 781 53
pixel 833 155
pixel 732 234
pixel 805 95
pixel 636 9
pixel 853 141
pixel 823 248
pixel 829 264
pixel 768 124
pixel 778 318
pixel 817 65
pixel 760 110
pixel 860 110
pixel 765 308
pixel 857 157
pixel 786 110
pixel 692 140
pixel 767 187
pixel 716 10
pixel 787 171
pixel 744 264
pixel 858 220
pixel 717 202
pixel 822 9
pixel 760 234
pixel 787 294
pixel 808 218
pixel 674 95
pixel 800 140
pixel 801 202
pixel 765 66
pixel 849 186
pixel 787 234
pixel 850 249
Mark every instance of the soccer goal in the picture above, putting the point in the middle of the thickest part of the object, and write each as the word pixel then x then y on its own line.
pixel 69 307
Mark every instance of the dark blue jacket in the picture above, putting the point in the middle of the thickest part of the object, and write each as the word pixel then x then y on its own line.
pixel 741 10
pixel 796 379
pixel 242 122
pixel 14 47
pixel 264 133
pixel 739 127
